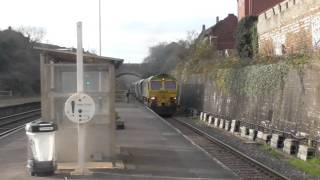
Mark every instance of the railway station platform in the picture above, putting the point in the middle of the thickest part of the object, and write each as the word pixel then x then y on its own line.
pixel 149 149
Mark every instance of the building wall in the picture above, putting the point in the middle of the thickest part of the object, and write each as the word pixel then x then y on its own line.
pixel 222 33
pixel 254 7
pixel 259 6
pixel 292 106
pixel 243 8
pixel 225 33
pixel 290 27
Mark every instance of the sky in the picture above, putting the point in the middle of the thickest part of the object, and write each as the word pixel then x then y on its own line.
pixel 129 27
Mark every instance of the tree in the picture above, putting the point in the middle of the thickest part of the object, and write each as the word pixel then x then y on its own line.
pixel 35 34
pixel 163 58
pixel 246 37
pixel 191 38
pixel 19 64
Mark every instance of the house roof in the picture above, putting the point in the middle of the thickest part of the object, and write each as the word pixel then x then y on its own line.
pixel 212 30
pixel 67 55
pixel 222 32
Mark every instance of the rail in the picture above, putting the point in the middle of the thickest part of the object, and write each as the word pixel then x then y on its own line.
pixel 6 93
pixel 259 166
pixel 15 122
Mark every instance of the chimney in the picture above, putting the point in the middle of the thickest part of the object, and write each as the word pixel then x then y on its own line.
pixel 203 28
pixel 217 19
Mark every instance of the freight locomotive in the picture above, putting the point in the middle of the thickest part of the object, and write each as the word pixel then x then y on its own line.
pixel 158 92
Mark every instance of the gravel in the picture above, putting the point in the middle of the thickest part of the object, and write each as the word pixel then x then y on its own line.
pixel 253 150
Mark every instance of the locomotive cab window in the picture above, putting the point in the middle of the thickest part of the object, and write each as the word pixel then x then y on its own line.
pixel 170 85
pixel 156 85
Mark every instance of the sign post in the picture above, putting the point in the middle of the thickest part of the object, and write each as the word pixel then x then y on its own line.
pixel 80 107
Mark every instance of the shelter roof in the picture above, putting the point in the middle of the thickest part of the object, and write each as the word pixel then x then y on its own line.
pixel 69 56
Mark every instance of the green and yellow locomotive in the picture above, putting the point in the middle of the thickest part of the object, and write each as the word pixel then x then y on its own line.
pixel 159 93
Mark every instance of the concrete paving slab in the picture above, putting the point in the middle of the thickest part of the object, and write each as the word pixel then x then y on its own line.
pixel 150 149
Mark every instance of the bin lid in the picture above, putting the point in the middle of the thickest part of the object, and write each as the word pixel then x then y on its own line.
pixel 41 126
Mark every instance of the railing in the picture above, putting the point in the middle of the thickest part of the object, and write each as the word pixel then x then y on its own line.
pixel 6 93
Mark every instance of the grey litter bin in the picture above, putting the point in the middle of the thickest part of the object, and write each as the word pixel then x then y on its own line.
pixel 41 155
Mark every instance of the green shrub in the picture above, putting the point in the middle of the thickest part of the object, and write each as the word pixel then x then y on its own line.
pixel 204 51
pixel 246 37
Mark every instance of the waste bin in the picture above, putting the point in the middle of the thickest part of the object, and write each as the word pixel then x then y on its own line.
pixel 41 155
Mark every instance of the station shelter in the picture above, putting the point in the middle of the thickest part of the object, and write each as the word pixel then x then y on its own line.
pixel 59 82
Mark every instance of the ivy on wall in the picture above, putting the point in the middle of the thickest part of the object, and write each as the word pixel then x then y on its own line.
pixel 246 37
pixel 251 80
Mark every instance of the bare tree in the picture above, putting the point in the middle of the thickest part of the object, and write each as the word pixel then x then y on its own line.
pixel 35 34
pixel 191 37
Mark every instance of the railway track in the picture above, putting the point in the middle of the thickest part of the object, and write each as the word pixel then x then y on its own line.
pixel 17 121
pixel 242 165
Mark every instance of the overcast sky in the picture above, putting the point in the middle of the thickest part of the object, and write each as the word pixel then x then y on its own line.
pixel 129 27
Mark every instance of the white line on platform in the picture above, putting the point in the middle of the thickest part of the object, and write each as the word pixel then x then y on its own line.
pixel 149 176
pixel 192 142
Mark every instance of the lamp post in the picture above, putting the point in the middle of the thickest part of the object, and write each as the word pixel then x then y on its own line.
pixel 100 27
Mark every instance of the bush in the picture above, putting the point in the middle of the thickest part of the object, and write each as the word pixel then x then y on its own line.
pixel 246 37
pixel 204 51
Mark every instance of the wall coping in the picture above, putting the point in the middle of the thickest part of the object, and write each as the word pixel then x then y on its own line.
pixel 279 8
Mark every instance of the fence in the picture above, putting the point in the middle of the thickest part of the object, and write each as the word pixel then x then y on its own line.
pixel 6 93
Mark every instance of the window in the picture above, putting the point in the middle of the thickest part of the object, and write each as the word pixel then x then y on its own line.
pixel 156 85
pixel 170 85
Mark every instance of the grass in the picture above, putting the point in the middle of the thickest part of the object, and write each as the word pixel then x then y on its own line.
pixel 195 118
pixel 275 153
pixel 197 121
pixel 311 167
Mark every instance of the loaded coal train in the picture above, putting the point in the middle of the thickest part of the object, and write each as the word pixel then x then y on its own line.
pixel 158 92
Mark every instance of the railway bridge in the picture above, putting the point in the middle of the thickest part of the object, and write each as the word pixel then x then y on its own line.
pixel 129 70
pixel 126 74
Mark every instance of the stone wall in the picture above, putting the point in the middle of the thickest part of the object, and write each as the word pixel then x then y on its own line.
pixel 293 106
pixel 289 27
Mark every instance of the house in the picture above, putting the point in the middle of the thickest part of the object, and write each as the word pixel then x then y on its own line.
pixel 254 7
pixel 222 33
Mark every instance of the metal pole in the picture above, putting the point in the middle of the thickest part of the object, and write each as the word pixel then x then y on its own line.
pixel 79 58
pixel 100 27
pixel 81 128
pixel 100 78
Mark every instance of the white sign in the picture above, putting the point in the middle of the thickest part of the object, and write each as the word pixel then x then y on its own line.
pixel 278 41
pixel 79 108
pixel 315 28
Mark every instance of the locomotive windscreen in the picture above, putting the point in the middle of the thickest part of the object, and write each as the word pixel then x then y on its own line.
pixel 170 85
pixel 156 85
